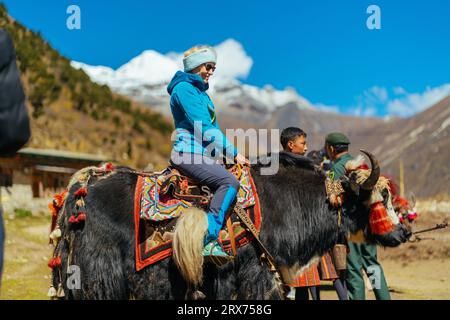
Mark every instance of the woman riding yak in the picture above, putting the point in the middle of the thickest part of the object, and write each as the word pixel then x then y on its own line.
pixel 199 140
pixel 94 230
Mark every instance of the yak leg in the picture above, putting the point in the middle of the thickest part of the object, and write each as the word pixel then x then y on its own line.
pixel 253 279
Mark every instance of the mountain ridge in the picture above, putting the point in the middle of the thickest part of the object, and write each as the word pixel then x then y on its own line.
pixel 90 118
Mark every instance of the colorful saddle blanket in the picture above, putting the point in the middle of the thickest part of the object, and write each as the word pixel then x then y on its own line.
pixel 161 198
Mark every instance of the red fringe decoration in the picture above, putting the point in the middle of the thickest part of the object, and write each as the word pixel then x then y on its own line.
pixel 54 262
pixel 55 206
pixel 82 192
pixel 379 220
pixel 400 202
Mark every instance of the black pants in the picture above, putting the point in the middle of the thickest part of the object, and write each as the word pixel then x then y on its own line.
pixel 301 293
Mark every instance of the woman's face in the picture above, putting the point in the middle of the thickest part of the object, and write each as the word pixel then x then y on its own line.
pixel 206 70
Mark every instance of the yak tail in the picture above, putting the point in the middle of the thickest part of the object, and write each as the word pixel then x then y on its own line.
pixel 188 244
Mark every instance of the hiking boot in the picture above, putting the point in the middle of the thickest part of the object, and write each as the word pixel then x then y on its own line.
pixel 213 252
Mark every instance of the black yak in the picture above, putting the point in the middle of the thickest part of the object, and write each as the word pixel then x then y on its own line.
pixel 298 226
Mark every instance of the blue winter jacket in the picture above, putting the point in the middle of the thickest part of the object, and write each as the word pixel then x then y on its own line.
pixel 192 108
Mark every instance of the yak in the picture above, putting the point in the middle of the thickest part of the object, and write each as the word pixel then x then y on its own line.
pixel 298 226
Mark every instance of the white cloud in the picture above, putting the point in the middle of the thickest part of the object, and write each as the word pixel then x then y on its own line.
pixel 232 60
pixel 373 96
pixel 364 111
pixel 400 103
pixel 413 103
pixel 369 102
pixel 377 94
pixel 399 91
pixel 326 108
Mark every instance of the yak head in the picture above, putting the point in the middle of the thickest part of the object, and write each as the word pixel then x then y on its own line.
pixel 405 208
pixel 366 190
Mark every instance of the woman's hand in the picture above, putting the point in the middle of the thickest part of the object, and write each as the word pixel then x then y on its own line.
pixel 242 160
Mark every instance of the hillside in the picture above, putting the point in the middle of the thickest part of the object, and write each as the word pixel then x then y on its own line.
pixel 70 112
pixel 422 142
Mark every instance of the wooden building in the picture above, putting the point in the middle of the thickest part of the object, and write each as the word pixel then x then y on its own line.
pixel 46 171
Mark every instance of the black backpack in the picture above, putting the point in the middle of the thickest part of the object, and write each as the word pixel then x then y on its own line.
pixel 14 122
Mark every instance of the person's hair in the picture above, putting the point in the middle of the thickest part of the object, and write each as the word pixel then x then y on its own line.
pixel 197 48
pixel 341 148
pixel 290 134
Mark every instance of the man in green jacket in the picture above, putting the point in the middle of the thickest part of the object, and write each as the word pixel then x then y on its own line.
pixel 361 256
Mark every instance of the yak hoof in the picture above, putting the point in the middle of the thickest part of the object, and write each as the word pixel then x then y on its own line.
pixel 196 295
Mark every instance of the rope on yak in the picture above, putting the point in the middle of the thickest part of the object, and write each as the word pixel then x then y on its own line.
pixel 265 255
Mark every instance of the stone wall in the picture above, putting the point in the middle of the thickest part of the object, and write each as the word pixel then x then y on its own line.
pixel 20 197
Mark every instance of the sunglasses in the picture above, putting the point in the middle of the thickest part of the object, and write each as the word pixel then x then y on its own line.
pixel 210 66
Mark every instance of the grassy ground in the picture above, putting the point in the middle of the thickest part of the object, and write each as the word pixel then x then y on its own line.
pixel 413 271
pixel 26 275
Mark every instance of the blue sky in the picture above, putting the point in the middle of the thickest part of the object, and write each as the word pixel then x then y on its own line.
pixel 321 48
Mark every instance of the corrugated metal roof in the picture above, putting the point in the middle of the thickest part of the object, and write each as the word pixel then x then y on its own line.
pixel 62 154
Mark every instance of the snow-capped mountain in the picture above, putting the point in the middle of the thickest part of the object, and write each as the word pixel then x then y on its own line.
pixel 241 105
pixel 145 78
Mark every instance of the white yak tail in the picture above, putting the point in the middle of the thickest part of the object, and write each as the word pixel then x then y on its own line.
pixel 188 243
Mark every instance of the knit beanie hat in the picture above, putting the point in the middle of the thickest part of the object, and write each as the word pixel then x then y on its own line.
pixel 192 61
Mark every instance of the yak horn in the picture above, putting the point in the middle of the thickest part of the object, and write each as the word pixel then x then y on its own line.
pixel 372 179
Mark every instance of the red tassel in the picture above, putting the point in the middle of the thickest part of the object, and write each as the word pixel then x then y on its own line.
pixel 54 210
pixel 400 203
pixel 379 220
pixel 54 262
pixel 412 216
pixel 60 198
pixel 81 217
pixel 82 192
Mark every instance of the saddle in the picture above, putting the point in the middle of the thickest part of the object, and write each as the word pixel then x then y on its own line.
pixel 162 197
